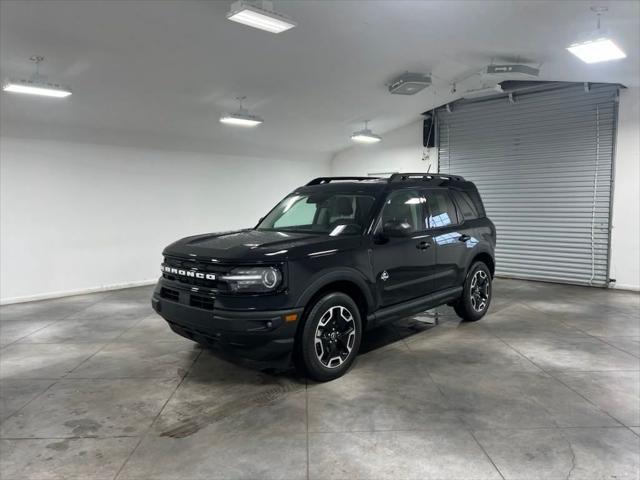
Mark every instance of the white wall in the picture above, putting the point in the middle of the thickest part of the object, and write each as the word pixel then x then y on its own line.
pixel 399 151
pixel 625 237
pixel 79 217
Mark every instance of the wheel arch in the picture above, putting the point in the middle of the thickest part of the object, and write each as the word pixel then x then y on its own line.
pixel 340 281
pixel 487 259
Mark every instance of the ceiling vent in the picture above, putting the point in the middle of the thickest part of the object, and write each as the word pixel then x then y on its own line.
pixel 409 83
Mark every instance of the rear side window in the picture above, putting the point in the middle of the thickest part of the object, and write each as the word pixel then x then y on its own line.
pixel 467 207
pixel 442 211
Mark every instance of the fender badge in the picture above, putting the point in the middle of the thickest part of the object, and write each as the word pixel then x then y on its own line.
pixel 384 276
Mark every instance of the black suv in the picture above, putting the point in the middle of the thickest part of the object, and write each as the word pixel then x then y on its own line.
pixel 334 258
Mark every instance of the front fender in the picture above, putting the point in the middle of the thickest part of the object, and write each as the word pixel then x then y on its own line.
pixel 322 279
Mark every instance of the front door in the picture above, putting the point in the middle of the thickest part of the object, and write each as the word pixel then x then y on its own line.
pixel 403 266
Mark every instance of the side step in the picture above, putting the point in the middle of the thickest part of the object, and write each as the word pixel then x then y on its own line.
pixel 413 307
pixel 426 318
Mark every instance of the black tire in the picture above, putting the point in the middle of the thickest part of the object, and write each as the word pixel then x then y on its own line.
pixel 338 347
pixel 476 294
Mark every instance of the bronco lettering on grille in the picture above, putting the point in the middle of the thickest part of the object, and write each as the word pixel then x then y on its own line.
pixel 187 273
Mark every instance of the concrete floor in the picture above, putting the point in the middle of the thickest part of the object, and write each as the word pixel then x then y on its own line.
pixel 546 386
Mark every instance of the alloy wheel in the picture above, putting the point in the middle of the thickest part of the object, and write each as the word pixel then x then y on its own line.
pixel 480 290
pixel 335 336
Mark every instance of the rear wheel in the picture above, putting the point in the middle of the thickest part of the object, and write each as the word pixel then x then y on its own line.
pixel 476 294
pixel 330 337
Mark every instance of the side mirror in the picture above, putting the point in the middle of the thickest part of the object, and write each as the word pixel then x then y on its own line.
pixel 396 228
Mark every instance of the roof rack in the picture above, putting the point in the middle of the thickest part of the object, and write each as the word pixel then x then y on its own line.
pixel 402 177
pixel 323 180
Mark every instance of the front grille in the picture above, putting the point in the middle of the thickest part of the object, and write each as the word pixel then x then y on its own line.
pixel 201 302
pixel 194 265
pixel 170 294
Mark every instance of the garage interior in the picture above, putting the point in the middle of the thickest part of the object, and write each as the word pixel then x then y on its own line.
pixel 136 154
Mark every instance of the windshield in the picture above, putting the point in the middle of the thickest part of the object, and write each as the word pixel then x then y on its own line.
pixel 333 214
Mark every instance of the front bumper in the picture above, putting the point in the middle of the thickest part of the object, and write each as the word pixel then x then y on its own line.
pixel 262 336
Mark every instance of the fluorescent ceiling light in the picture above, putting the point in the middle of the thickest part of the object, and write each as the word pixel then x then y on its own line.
pixel 44 90
pixel 241 120
pixel 36 84
pixel 365 135
pixel 242 117
pixel 261 18
pixel 599 50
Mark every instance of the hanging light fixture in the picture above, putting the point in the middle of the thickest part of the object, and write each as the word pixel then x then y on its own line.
pixel 597 47
pixel 242 117
pixel 37 84
pixel 366 135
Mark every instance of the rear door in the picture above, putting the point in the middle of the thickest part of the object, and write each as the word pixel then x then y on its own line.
pixel 403 267
pixel 451 239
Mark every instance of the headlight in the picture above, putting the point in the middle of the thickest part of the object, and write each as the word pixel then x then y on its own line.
pixel 253 279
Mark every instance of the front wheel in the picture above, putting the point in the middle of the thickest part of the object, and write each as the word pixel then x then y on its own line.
pixel 330 337
pixel 476 293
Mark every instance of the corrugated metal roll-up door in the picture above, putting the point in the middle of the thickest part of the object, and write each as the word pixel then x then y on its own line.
pixel 543 166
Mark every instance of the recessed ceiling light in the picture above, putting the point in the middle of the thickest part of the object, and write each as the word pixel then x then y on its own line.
pixel 597 47
pixel 366 135
pixel 241 118
pixel 36 85
pixel 263 18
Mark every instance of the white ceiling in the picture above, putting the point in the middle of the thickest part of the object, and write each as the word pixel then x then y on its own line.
pixel 162 72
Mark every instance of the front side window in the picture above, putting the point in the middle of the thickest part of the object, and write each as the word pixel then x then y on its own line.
pixel 330 213
pixel 404 207
pixel 442 211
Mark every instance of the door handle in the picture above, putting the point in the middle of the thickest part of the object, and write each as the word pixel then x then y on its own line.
pixel 423 245
pixel 464 237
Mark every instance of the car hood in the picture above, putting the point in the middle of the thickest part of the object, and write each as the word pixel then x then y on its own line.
pixel 258 245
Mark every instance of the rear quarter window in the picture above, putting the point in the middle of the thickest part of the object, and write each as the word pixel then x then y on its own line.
pixel 465 204
pixel 477 201
pixel 469 204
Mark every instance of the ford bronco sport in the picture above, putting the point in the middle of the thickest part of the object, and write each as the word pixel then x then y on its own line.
pixel 336 257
